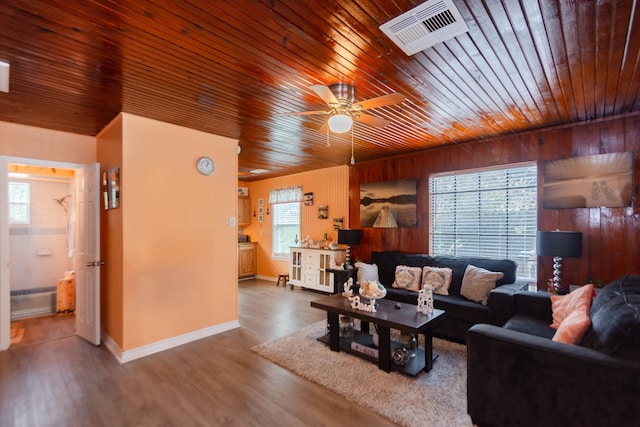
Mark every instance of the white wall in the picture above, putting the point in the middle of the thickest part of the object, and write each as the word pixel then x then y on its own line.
pixel 39 250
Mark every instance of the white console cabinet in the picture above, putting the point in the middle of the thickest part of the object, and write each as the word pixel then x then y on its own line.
pixel 309 267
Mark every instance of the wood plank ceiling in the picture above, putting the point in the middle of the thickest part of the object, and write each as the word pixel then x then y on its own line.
pixel 232 67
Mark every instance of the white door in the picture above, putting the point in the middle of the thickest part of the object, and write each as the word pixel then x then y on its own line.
pixel 86 258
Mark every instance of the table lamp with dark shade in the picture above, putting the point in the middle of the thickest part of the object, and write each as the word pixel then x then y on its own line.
pixel 559 244
pixel 348 237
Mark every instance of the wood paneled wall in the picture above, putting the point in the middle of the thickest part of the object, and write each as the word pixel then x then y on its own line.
pixel 610 235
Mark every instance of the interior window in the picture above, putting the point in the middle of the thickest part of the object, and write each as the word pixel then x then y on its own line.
pixel 19 202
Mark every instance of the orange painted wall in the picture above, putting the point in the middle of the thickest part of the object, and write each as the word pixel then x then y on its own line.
pixel 179 251
pixel 111 274
pixel 44 144
pixel 330 187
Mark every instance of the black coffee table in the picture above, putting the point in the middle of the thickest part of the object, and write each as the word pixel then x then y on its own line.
pixel 386 317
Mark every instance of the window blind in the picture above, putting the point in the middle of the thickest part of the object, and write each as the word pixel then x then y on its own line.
pixel 487 213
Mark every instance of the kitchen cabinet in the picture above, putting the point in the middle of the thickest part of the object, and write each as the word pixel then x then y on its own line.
pixel 247 260
pixel 244 210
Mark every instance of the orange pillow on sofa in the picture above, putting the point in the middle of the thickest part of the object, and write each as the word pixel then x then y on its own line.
pixel 573 327
pixel 563 305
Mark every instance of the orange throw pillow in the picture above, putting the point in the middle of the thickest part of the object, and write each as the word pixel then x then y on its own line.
pixel 563 305
pixel 573 327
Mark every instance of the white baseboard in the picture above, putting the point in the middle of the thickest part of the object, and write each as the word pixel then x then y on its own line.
pixel 269 278
pixel 146 350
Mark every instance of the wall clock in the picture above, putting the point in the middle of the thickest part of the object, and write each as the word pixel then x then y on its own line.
pixel 205 165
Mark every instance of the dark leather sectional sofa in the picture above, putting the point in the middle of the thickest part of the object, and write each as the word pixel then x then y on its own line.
pixel 461 313
pixel 518 376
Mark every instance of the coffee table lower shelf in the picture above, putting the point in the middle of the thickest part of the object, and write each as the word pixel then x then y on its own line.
pixel 414 365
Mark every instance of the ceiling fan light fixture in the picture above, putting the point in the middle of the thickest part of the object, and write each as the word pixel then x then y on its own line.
pixel 340 123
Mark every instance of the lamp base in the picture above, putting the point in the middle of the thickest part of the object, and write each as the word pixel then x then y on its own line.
pixel 557 265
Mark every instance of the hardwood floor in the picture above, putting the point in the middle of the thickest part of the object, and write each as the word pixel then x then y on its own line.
pixel 210 382
pixel 44 328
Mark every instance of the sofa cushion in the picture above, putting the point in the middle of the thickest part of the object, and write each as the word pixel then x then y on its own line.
pixel 458 265
pixel 437 278
pixel 563 305
pixel 530 325
pixel 478 282
pixel 407 277
pixel 460 308
pixel 386 262
pixel 366 272
pixel 615 319
pixel 573 327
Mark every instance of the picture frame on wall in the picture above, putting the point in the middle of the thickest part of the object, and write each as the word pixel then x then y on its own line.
pixel 338 223
pixel 599 180
pixel 308 199
pixel 323 212
pixel 111 188
pixel 388 204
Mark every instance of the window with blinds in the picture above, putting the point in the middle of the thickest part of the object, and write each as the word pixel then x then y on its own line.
pixel 286 228
pixel 487 213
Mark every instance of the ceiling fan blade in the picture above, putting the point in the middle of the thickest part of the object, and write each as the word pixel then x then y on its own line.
pixel 381 101
pixel 370 120
pixel 323 128
pixel 302 113
pixel 325 93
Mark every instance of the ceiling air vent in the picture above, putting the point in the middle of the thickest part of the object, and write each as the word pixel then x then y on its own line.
pixel 420 28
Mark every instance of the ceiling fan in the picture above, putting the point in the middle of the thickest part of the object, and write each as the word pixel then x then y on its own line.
pixel 343 110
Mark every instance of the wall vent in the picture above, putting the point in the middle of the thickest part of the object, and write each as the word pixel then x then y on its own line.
pixel 432 22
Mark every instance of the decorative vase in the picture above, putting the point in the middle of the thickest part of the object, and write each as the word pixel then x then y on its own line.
pixel 346 327
pixel 410 343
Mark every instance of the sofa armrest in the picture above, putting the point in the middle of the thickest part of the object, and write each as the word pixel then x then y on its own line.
pixel 516 378
pixel 501 302
pixel 534 304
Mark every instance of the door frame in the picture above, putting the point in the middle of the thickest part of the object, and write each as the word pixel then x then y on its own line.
pixel 5 285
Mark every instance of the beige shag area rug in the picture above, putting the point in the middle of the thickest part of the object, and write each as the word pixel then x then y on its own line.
pixel 436 398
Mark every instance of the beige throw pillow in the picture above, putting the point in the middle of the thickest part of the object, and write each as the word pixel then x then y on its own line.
pixel 366 272
pixel 477 283
pixel 408 278
pixel 438 278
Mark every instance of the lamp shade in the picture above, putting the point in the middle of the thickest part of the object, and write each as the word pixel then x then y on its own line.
pixel 340 123
pixel 559 243
pixel 348 237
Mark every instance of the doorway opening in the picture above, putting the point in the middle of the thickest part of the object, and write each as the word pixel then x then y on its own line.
pixel 84 197
pixel 41 278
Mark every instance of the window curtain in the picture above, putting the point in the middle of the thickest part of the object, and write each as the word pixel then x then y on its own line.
pixel 285 195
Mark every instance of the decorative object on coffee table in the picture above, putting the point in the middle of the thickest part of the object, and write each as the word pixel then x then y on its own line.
pixel 348 291
pixel 372 290
pixel 425 301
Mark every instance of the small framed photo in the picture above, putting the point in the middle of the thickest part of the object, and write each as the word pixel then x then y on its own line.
pixel 308 199
pixel 243 191
pixel 260 218
pixel 261 202
pixel 323 212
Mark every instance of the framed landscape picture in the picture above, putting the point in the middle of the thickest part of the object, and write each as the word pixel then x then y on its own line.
pixel 388 204
pixel 601 180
